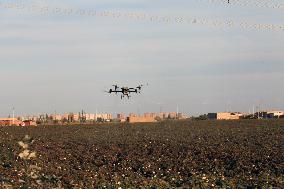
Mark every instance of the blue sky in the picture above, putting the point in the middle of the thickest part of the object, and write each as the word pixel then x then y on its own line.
pixel 63 63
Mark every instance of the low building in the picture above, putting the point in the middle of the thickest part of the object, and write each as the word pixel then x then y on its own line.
pixel 224 115
pixel 268 114
pixel 90 117
pixel 121 118
pixel 65 117
pixel 150 114
pixel 29 123
pixel 141 119
pixel 275 114
pixel 104 117
pixel 56 117
pixel 181 116
pixel 76 117
pixel 33 118
pixel 172 115
pixel 159 116
pixel 10 122
pixel 133 115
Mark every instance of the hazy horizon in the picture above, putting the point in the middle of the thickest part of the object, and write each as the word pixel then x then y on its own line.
pixel 51 62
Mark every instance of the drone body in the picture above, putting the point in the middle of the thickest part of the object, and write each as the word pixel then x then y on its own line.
pixel 125 91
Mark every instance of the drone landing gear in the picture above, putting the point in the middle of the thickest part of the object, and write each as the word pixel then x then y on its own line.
pixel 128 96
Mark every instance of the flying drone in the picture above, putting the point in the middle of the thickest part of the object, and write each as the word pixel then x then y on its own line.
pixel 125 91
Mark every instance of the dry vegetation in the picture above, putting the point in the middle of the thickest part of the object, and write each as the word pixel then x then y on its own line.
pixel 187 154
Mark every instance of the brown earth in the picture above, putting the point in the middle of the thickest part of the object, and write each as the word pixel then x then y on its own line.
pixel 181 154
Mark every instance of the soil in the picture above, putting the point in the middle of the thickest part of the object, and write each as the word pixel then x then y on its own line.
pixel 172 154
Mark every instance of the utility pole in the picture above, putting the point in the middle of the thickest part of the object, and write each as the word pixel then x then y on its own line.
pixel 96 118
pixel 55 115
pixel 177 111
pixel 257 108
pixel 138 111
pixel 13 116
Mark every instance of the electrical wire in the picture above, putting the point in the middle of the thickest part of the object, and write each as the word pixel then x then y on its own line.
pixel 216 23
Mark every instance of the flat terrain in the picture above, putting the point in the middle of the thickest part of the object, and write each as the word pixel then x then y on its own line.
pixel 181 154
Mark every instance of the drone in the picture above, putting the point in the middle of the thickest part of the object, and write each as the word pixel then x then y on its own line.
pixel 125 91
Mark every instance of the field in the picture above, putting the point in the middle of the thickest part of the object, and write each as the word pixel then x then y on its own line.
pixel 181 154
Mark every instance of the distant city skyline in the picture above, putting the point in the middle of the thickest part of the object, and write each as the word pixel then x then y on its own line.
pixel 64 63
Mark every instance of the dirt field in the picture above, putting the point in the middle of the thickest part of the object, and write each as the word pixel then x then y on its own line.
pixel 187 154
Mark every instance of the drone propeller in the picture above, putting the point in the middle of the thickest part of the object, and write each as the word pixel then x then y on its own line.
pixel 109 91
pixel 115 87
pixel 142 85
pixel 139 87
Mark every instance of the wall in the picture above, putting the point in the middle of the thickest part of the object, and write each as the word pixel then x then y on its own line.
pixel 141 119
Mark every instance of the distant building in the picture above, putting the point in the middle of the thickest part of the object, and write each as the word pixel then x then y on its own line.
pixel 10 122
pixel 90 117
pixel 154 117
pixel 181 116
pixel 65 117
pixel 121 117
pixel 224 116
pixel 159 116
pixel 133 115
pixel 166 115
pixel 103 117
pixel 172 115
pixel 275 114
pixel 141 119
pixel 33 118
pixel 76 117
pixel 267 114
pixel 29 123
pixel 55 117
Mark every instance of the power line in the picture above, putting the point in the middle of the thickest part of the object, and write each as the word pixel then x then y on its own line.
pixel 268 4
pixel 216 23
